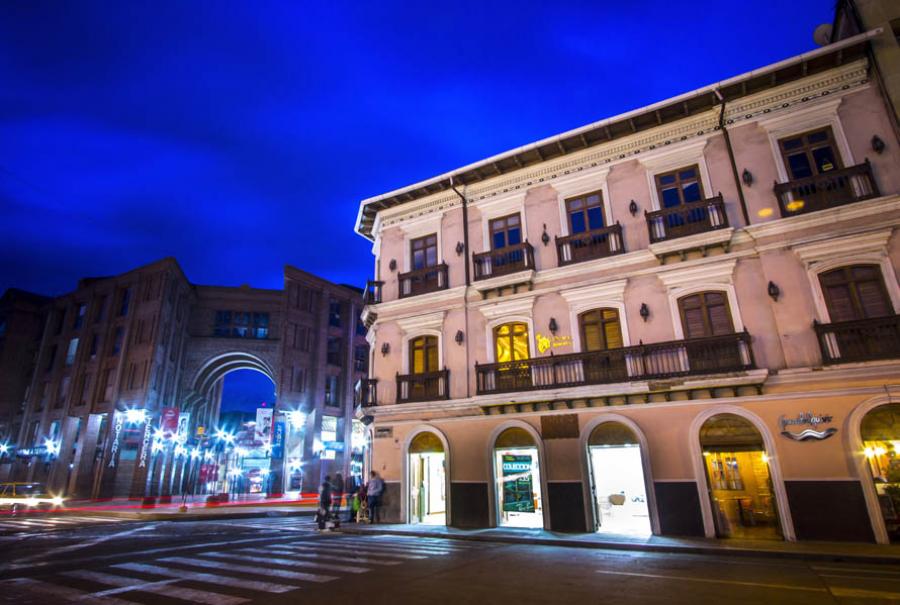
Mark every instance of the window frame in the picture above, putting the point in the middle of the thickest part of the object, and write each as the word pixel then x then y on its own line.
pixel 678 180
pixel 707 321
pixel 491 231
pixel 851 282
pixel 581 325
pixel 423 239
pixel 429 342
pixel 808 149
pixel 601 204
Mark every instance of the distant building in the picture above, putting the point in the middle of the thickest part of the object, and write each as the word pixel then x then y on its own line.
pixel 681 320
pixel 86 379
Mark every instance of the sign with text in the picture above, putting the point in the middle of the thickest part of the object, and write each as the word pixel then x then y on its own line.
pixel 278 440
pixel 518 491
pixel 807 419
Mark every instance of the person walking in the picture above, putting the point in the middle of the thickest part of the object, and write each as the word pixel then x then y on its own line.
pixel 373 496
pixel 338 494
pixel 324 503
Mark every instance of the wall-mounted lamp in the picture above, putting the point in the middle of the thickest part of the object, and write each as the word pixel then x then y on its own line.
pixel 553 327
pixel 645 311
pixel 633 208
pixel 392 265
pixel 877 144
pixel 460 337
pixel 747 177
pixel 460 248
pixel 774 291
pixel 385 348
pixel 544 237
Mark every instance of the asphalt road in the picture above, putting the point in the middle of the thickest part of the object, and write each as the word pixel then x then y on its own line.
pixel 284 560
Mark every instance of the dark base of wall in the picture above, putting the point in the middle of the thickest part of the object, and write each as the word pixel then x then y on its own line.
pixel 678 505
pixel 390 504
pixel 566 500
pixel 829 510
pixel 469 505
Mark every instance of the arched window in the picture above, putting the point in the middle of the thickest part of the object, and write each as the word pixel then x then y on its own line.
pixel 511 342
pixel 617 480
pixel 880 432
pixel 600 330
pixel 427 480
pixel 705 314
pixel 855 292
pixel 423 355
pixel 517 479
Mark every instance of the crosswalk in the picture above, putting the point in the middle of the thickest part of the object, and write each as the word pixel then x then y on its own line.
pixel 10 525
pixel 275 524
pixel 231 574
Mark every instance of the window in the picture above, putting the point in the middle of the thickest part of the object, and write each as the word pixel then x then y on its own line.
pixel 241 324
pixel 705 314
pixel 33 433
pixel 63 392
pixel 101 309
pixel 334 314
pixel 307 300
pixel 106 385
pixel 423 355
pixel 118 337
pixel 261 325
pixel 361 358
pixel 423 252
pixel 71 351
pixel 328 435
pixel 333 354
pixel 809 154
pixel 856 292
pixel 301 338
pixel 51 358
pixel 80 312
pixel 300 380
pixel 124 301
pixel 42 395
pixel 223 323
pixel 679 187
pixel 511 342
pixel 332 396
pixel 600 330
pixel 95 344
pixel 505 231
pixel 82 393
pixel 585 213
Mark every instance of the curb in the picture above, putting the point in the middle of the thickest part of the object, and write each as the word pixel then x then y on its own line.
pixel 697 549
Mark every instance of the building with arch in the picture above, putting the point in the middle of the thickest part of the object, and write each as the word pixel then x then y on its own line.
pixel 681 320
pixel 119 354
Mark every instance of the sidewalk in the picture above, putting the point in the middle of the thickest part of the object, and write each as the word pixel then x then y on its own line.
pixel 810 551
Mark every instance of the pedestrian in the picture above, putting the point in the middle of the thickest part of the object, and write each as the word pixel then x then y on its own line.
pixel 374 492
pixel 324 502
pixel 338 486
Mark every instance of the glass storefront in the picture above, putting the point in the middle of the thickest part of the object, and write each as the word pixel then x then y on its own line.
pixel 737 475
pixel 427 480
pixel 517 479
pixel 617 481
pixel 880 432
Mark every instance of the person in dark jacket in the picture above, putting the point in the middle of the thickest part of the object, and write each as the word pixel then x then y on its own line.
pixel 338 494
pixel 324 502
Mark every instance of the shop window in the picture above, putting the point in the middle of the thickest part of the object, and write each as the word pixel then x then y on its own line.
pixel 423 252
pixel 880 432
pixel 517 480
pixel 810 154
pixel 617 478
pixel 679 187
pixel 423 355
pixel 585 213
pixel 855 292
pixel 705 314
pixel 505 231
pixel 741 494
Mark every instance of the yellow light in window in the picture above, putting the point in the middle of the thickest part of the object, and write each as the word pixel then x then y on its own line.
pixel 880 451
pixel 763 213
pixel 795 205
pixel 765 458
pixel 706 454
pixel 869 452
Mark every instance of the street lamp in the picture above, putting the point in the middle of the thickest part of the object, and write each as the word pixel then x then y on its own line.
pixel 135 416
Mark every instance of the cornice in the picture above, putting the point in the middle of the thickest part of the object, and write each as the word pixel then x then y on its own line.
pixel 872 242
pixel 877 207
pixel 715 272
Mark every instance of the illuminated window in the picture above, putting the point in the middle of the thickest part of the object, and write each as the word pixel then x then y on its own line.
pixel 511 342
pixel 423 355
pixel 600 330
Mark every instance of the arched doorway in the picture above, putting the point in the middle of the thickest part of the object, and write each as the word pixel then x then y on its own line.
pixel 880 434
pixel 517 479
pixel 427 480
pixel 618 485
pixel 741 492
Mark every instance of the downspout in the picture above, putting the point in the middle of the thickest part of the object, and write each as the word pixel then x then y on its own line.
pixel 734 170
pixel 465 213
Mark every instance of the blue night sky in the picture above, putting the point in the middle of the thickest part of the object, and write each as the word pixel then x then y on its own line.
pixel 240 136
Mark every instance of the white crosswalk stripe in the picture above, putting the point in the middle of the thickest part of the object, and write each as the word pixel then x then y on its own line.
pixel 11 525
pixel 251 571
pixel 277 523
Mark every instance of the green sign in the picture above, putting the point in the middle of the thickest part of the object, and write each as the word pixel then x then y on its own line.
pixel 518 493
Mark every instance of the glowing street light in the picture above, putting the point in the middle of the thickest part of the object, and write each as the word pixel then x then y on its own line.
pixel 135 416
pixel 4 449
pixel 52 446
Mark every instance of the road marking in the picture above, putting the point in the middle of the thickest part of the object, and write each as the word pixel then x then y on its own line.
pixel 82 545
pixel 869 578
pixel 286 562
pixel 161 588
pixel 711 580
pixel 349 549
pixel 298 552
pixel 208 578
pixel 859 593
pixel 64 594
pixel 386 547
pixel 885 572
pixel 278 573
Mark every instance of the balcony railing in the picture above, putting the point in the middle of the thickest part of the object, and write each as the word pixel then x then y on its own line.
pixel 427 386
pixel 598 243
pixel 828 190
pixel 365 393
pixel 687 219
pixel 510 259
pixel 423 281
pixel 859 340
pixel 372 293
pixel 711 355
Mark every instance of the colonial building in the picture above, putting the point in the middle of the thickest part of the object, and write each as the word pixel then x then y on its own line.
pixel 680 320
pixel 116 360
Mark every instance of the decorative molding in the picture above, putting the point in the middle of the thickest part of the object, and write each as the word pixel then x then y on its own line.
pixel 588 296
pixel 832 248
pixel 510 279
pixel 415 323
pixel 505 308
pixel 708 273
pixel 699 240
pixel 620 262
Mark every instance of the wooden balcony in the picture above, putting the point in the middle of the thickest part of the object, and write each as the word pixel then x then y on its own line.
pixel 372 292
pixel 598 243
pixel 504 261
pixel 423 281
pixel 365 393
pixel 828 190
pixel 428 386
pixel 694 357
pixel 859 340
pixel 687 219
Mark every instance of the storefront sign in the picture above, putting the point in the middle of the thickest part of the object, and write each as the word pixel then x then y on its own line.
pixel 337 446
pixel 547 342
pixel 518 492
pixel 263 430
pixel 384 432
pixel 814 421
pixel 114 448
pixel 168 422
pixel 145 444
pixel 28 452
pixel 278 440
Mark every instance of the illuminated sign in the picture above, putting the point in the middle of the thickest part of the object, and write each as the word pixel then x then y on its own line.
pixel 145 443
pixel 807 419
pixel 114 448
pixel 545 343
